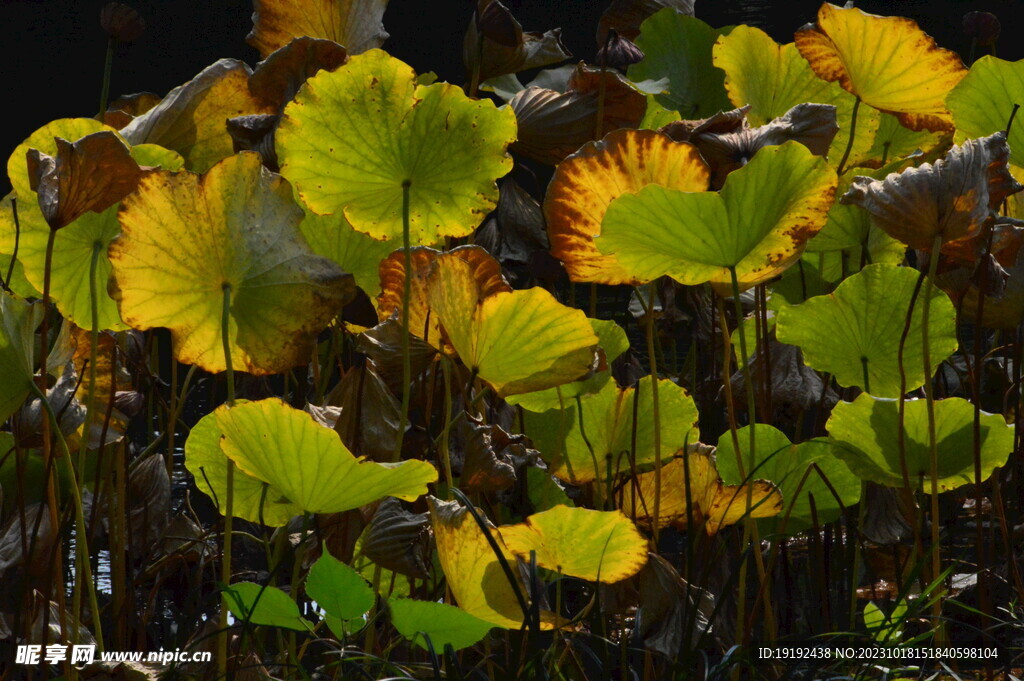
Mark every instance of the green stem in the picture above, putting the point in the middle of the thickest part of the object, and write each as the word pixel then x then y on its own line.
pixel 656 410
pixel 443 446
pixel 406 295
pixel 105 90
pixel 17 240
pixel 933 451
pixel 853 133
pixel 225 568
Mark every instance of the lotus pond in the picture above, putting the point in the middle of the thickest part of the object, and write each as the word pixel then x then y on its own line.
pixel 623 369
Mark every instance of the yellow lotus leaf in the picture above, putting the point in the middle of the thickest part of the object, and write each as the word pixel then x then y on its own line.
pixel 518 341
pixel 585 183
pixel 486 279
pixel 355 24
pixel 593 545
pixel 191 118
pixel 472 570
pixel 189 241
pixel 889 62
pixel 714 502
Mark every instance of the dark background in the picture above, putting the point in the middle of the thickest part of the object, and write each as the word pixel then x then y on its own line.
pixel 53 50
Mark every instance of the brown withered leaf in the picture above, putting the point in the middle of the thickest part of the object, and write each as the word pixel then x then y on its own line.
pixel 794 385
pixel 40 542
pixel 554 124
pixel 356 24
pixel 812 125
pixel 484 456
pixel 383 345
pixel 91 174
pixel 495 43
pixel 721 123
pixel 190 119
pixel 276 79
pixel 255 133
pixel 625 16
pixel 486 276
pixel 369 419
pixel 399 540
pixel 518 227
pixel 1002 311
pixel 149 489
pixel 951 199
pixel 667 603
pixel 122 110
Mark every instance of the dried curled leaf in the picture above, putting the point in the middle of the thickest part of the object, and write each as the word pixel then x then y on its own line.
pixel 495 43
pixel 356 24
pixel 398 540
pixel 626 16
pixel 888 62
pixel 951 198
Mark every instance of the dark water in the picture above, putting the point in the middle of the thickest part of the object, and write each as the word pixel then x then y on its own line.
pixel 52 51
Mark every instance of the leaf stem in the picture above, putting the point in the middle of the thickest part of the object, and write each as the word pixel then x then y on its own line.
pixel 17 239
pixel 105 89
pixel 933 452
pixel 225 568
pixel 656 410
pixel 849 142
pixel 403 416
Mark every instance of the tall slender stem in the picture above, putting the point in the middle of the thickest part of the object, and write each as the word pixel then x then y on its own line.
pixel 225 567
pixel 17 240
pixel 403 417
pixel 657 412
pixel 853 133
pixel 933 451
pixel 105 90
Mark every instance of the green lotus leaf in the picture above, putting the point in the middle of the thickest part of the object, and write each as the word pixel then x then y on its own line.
pixel 580 452
pixel 207 463
pixel 593 545
pixel 857 329
pixel 784 463
pixel 353 137
pixel 265 605
pixel 357 252
pixel 337 588
pixel 18 322
pixel 544 491
pixel 868 431
pixel 75 246
pixel 188 241
pixel 893 141
pixel 758 224
pixel 612 339
pixel 678 47
pixel 984 100
pixel 442 624
pixel 773 78
pixel 307 462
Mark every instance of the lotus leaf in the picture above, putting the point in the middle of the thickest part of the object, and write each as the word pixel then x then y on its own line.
pixel 436 624
pixel 18 322
pixel 711 501
pixel 445 148
pixel 495 43
pixel 232 232
pixel 207 463
pixel 518 341
pixel 867 431
pixel 783 463
pixel 307 462
pixel 598 442
pixel 265 605
pixel 855 332
pixel 337 588
pixel 600 546
pixel 356 24
pixel 757 225
pixel 586 182
pixel 190 119
pixel 983 101
pixel 888 62
pixel 472 570
pixel 951 198
pixel 626 16
pixel 773 78
pixel 678 47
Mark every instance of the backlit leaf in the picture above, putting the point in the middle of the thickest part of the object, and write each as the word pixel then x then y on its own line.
pixel 586 182
pixel 495 43
pixel 983 102
pixel 443 624
pixel 266 605
pixel 355 24
pixel 888 62
pixel 868 431
pixel 18 322
pixel 337 588
pixel 233 231
pixel 449 149
pixel 286 448
pixel 856 330
pixel 758 224
pixel 593 545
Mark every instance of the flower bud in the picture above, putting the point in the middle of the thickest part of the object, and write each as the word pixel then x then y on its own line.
pixel 121 22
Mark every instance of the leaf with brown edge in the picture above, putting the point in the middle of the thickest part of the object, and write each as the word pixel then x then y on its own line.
pixel 554 124
pixel 586 182
pixel 889 62
pixel 368 422
pixel 486 279
pixel 495 43
pixel 489 455
pixel 125 108
pixel 473 571
pixel 951 198
pixel 625 16
pixel 191 118
pixel 355 24
pixel 382 344
pixel 600 546
pixel 713 502
pixel 276 79
pixel 90 174
pixel 187 241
